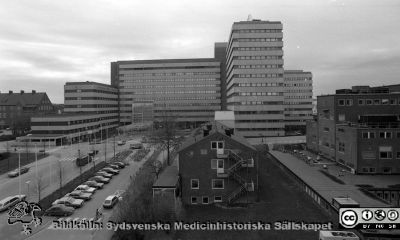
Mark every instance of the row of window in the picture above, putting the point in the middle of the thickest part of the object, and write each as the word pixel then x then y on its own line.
pixel 149 80
pixel 257 40
pixel 298 78
pixel 204 199
pixel 257 57
pixel 257 31
pixel 92 106
pixel 258 94
pixel 215 183
pixel 259 121
pixel 254 103
pixel 257 84
pixel 299 91
pixel 171 86
pixel 298 115
pixel 258 66
pixel 257 48
pixel 385 101
pixel 298 84
pixel 298 97
pixel 383 134
pixel 298 103
pixel 168 98
pixel 272 75
pixel 90 98
pixel 167 74
pixel 298 109
pixel 178 92
pixel 90 90
pixel 168 67
pixel 184 104
pixel 179 110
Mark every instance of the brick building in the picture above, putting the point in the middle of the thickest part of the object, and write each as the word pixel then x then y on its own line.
pixel 217 166
pixel 359 128
pixel 16 109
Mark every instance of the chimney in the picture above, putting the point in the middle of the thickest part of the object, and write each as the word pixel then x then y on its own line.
pixel 33 91
pixel 22 91
pixel 10 92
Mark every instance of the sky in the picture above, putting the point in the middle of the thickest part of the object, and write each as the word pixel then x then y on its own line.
pixel 45 43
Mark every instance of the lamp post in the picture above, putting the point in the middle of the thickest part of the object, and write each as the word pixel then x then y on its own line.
pixel 19 173
pixel 27 194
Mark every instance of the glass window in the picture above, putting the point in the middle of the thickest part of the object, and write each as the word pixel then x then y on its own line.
pixel 349 102
pixel 368 102
pixel 341 102
pixel 213 145
pixel 194 200
pixel 385 101
pixel 214 163
pixel 217 183
pixel 203 151
pixel 217 198
pixel 377 101
pixel 361 101
pixel 205 200
pixel 385 152
pixel 195 183
pixel 393 101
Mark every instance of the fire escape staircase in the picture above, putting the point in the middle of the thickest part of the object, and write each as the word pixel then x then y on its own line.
pixel 232 173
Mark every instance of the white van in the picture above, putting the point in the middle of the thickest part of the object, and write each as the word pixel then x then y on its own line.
pixel 10 201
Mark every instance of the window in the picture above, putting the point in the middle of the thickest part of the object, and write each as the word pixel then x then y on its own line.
pixel 377 101
pixel 361 101
pixel 368 135
pixel 341 102
pixel 203 151
pixel 217 183
pixel 220 145
pixel 368 102
pixel 387 170
pixel 341 147
pixel 385 152
pixel 393 101
pixel 213 145
pixel 385 101
pixel 217 144
pixel 220 163
pixel 398 134
pixel 372 170
pixel 217 198
pixel 342 117
pixel 349 102
pixel 340 129
pixel 195 183
pixel 194 200
pixel 385 135
pixel 398 155
pixel 326 129
pixel 214 163
pixel 205 200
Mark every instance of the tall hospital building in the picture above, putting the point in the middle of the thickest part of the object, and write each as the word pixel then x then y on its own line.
pixel 246 76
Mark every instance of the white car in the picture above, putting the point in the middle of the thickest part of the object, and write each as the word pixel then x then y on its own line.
pixel 10 201
pixel 86 188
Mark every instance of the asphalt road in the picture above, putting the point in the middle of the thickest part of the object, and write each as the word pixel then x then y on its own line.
pixel 48 172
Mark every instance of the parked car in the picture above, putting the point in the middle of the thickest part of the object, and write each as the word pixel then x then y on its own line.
pixel 104 174
pixel 100 179
pixel 86 188
pixel 59 210
pixel 120 143
pixel 94 184
pixel 10 201
pixel 110 170
pixel 69 202
pixel 110 201
pixel 136 146
pixel 114 166
pixel 78 194
pixel 15 172
pixel 120 164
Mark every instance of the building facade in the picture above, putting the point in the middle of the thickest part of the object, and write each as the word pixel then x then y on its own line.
pixel 188 90
pixel 217 166
pixel 298 95
pixel 90 109
pixel 16 109
pixel 255 78
pixel 359 128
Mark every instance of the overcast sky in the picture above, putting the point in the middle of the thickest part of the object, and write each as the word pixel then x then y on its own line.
pixel 45 43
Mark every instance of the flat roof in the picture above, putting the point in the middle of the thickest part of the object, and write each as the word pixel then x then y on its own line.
pixel 90 83
pixel 329 189
pixel 345 200
pixel 184 60
pixel 168 178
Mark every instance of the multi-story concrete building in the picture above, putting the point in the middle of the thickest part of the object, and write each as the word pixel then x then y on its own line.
pixel 16 109
pixel 188 90
pixel 93 98
pixel 254 78
pixel 90 109
pixel 298 100
pixel 217 166
pixel 359 128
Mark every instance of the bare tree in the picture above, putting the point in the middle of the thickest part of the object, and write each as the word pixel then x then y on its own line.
pixel 60 171
pixel 40 186
pixel 157 166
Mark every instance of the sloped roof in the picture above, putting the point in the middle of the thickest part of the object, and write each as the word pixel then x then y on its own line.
pixel 24 98
pixel 168 178
pixel 217 128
